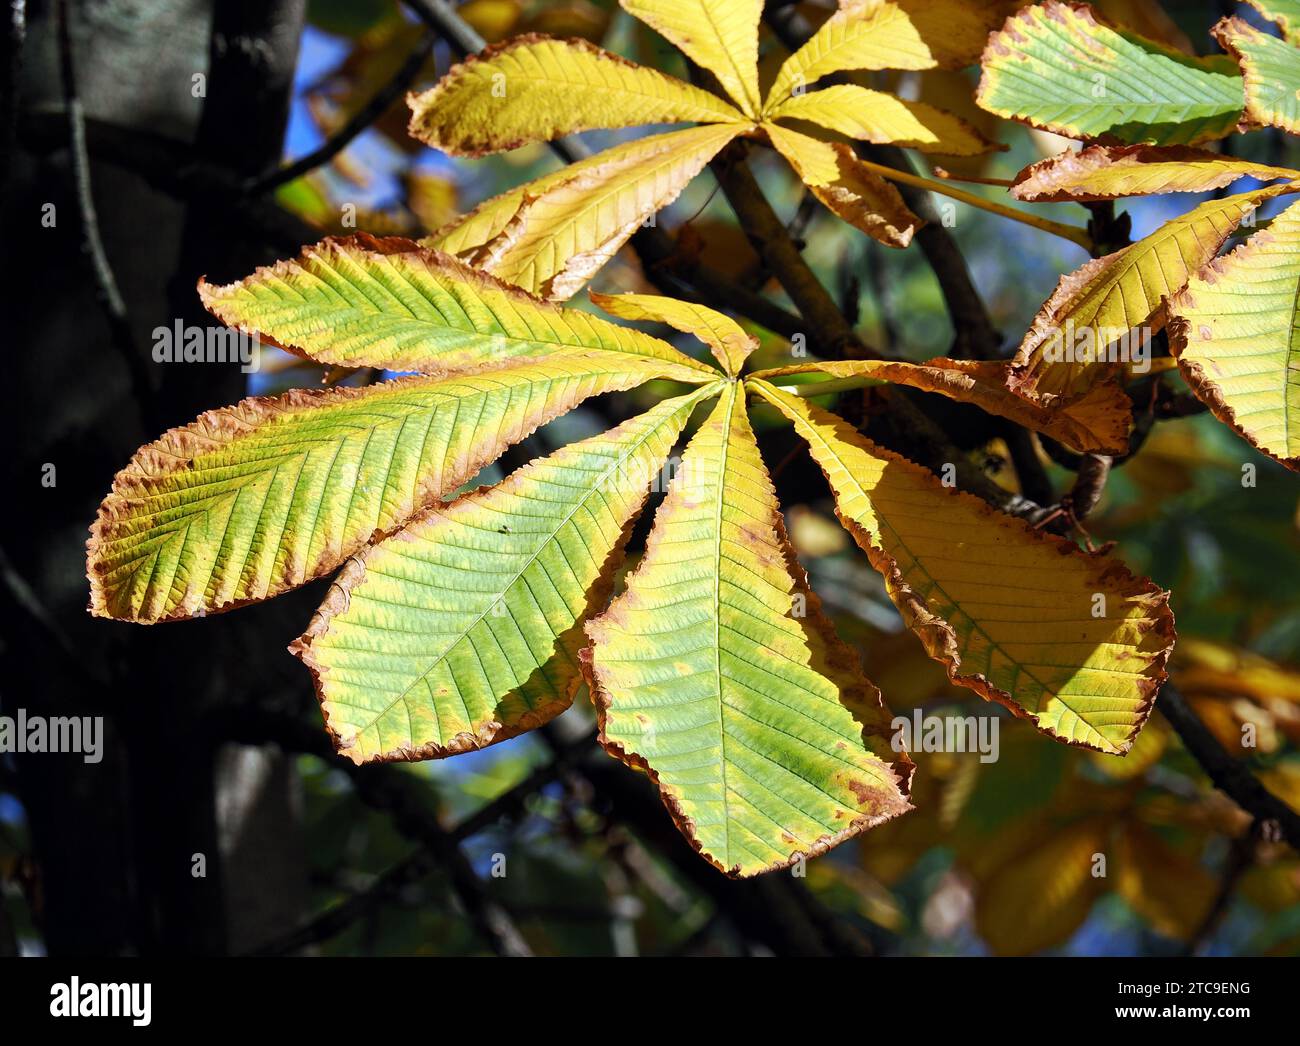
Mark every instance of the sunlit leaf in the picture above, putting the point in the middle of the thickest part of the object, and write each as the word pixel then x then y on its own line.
pixel 1058 67
pixel 1092 323
pixel 1271 70
pixel 1234 332
pixel 720 35
pixel 1102 172
pixel 877 116
pixel 726 339
pixel 255 499
pixel 390 303
pixel 562 233
pixel 532 88
pixel 850 191
pixel 717 673
pixel 464 628
pixel 1067 639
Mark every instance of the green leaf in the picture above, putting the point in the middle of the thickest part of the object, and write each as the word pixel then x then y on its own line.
pixel 1058 67
pixel 392 304
pixel 717 673
pixel 1235 333
pixel 1271 69
pixel 463 629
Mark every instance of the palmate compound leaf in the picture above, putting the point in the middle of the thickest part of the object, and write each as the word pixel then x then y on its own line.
pixel 1104 172
pixel 392 304
pixel 1271 70
pixel 848 189
pixel 1092 324
pixel 552 234
pixel 1097 421
pixel 1056 66
pixel 1069 640
pixel 720 35
pixel 717 673
pixel 1235 334
pixel 534 88
pixel 255 499
pixel 463 628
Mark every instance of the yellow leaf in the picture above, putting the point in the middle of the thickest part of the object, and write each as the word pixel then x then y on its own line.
pixel 717 674
pixel 876 34
pixel 1041 895
pixel 1233 329
pixel 1098 421
pixel 850 191
pixel 532 88
pixel 1088 328
pixel 1166 886
pixel 559 238
pixel 1069 640
pixel 1205 668
pixel 720 35
pixel 1102 172
pixel 640 168
pixel 726 339
pixel 876 116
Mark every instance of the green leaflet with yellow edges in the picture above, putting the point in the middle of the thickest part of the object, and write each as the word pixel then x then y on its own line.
pixel 255 499
pixel 1058 67
pixel 1067 639
pixel 1271 70
pixel 392 304
pixel 463 628
pixel 717 673
pixel 1234 331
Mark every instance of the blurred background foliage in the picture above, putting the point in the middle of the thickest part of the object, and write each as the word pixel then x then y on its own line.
pixel 997 857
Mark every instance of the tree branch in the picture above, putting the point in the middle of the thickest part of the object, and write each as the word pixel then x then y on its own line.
pixel 1229 775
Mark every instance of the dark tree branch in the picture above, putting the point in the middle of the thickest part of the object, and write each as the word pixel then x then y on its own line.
pixel 1231 776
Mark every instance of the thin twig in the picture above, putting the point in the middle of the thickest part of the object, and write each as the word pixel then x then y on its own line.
pixel 360 120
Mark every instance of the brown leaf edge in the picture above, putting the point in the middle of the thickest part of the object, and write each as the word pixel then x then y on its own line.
pixel 1224 32
pixel 940 639
pixel 1034 183
pixel 865 698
